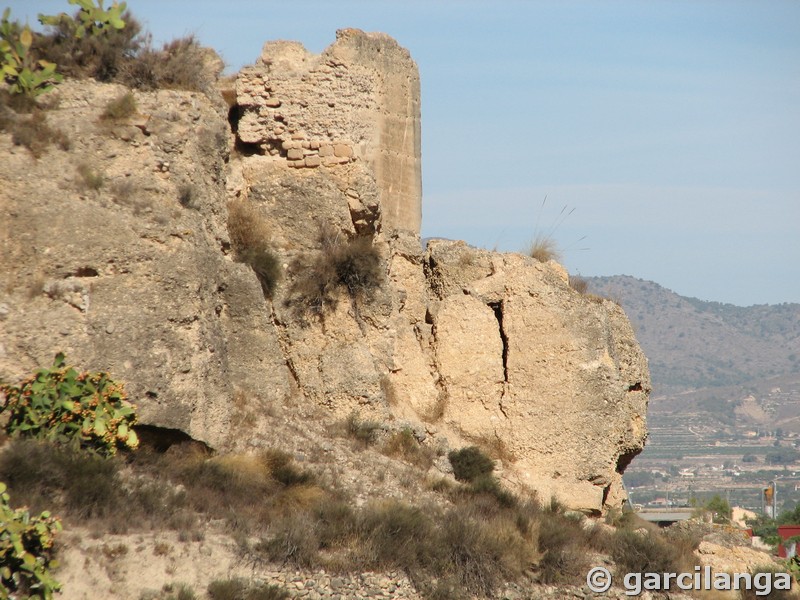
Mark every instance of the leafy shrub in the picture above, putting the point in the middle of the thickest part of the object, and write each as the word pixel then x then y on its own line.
pixel 59 404
pixel 24 74
pixel 26 551
pixel 470 463
pixel 352 265
pixel 88 44
pixel 119 108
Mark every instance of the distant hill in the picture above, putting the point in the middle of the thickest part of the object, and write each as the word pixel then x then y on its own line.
pixel 694 344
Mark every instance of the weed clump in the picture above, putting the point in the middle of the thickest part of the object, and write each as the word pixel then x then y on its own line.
pixel 33 132
pixel 349 264
pixel 243 589
pixel 404 445
pixel 250 234
pixel 543 249
pixel 364 432
pixel 119 108
pixel 90 178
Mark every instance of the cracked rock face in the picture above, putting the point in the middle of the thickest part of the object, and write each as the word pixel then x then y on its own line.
pixel 465 345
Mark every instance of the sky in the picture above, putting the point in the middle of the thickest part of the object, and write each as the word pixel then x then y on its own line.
pixel 658 139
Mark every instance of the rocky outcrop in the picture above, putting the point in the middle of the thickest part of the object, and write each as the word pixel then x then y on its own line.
pixel 138 276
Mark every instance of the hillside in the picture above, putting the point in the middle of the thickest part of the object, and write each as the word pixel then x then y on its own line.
pixel 692 343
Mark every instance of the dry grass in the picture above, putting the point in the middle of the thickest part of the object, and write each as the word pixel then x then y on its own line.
pixel 353 265
pixel 120 108
pixel 403 445
pixel 90 178
pixel 543 249
pixel 250 235
pixel 34 133
pixel 179 64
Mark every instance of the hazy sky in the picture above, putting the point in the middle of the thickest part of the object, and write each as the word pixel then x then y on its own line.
pixel 670 130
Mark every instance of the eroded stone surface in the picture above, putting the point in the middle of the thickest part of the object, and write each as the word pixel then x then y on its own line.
pixel 466 346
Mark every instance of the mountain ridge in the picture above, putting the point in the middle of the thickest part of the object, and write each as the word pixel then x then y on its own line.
pixel 693 343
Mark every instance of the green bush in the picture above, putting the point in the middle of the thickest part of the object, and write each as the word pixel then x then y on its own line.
pixel 26 552
pixel 59 404
pixel 20 69
pixel 470 463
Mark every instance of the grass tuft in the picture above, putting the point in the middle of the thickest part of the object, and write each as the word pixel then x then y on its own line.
pixel 121 107
pixel 543 248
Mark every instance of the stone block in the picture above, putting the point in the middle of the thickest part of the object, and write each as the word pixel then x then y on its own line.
pixel 342 150
pixel 326 150
pixel 313 160
pixel 295 154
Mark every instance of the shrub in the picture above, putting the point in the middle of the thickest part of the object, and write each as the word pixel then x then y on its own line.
pixel 543 249
pixel 397 535
pixel 470 463
pixel 293 540
pixel 180 64
pixel 119 108
pixel 35 134
pixel 186 195
pixel 59 404
pixel 90 178
pixel 283 471
pixel 404 445
pixel 26 551
pixel 560 542
pixel 24 74
pixel 579 284
pixel 364 432
pixel 242 589
pixel 86 47
pixel 635 552
pixel 482 554
pixel 82 484
pixel 352 265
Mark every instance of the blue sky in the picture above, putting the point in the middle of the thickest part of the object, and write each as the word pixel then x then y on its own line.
pixel 672 128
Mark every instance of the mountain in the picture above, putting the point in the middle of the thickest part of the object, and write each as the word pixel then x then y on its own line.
pixel 693 343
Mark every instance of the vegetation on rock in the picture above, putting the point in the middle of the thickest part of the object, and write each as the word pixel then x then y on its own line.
pixel 26 552
pixel 59 404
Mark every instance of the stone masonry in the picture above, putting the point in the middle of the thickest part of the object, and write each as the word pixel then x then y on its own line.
pixel 357 101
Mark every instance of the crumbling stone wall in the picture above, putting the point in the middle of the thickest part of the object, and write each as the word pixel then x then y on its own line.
pixel 357 101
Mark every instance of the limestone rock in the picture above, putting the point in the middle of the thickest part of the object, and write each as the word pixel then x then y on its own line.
pixel 139 277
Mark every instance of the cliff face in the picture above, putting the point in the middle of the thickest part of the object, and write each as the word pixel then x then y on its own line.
pixel 139 277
